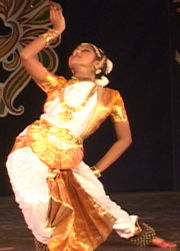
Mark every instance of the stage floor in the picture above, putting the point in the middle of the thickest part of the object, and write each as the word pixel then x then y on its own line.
pixel 159 209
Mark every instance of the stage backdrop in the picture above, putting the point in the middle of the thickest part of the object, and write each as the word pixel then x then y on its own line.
pixel 142 39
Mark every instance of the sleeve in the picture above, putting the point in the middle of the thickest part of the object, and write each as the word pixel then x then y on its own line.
pixel 118 113
pixel 51 81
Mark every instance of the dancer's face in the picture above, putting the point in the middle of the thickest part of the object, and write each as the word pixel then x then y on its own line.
pixel 83 56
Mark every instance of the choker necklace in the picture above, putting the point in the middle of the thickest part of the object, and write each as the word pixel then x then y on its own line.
pixel 67 114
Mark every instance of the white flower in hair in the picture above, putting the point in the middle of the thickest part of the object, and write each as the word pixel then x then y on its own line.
pixel 103 81
pixel 109 66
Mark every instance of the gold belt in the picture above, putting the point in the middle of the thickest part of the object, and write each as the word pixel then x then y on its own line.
pixel 63 134
pixel 56 147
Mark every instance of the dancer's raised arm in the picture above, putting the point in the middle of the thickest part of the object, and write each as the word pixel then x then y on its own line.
pixel 29 54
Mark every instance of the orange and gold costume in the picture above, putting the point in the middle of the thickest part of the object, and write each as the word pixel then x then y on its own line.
pixel 63 203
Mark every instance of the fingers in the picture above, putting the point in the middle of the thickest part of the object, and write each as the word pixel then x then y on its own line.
pixel 56 16
pixel 55 6
pixel 55 11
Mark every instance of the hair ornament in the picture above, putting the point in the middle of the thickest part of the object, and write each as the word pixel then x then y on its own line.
pixel 102 81
pixel 109 66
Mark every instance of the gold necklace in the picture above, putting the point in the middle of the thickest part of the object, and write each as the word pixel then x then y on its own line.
pixel 67 114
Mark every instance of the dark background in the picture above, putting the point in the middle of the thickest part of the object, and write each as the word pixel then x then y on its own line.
pixel 141 38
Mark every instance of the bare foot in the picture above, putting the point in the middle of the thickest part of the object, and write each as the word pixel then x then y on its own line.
pixel 159 242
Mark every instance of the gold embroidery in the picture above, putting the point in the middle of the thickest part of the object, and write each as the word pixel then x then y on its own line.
pixel 72 207
pixel 51 81
pixel 67 114
pixel 118 114
pixel 55 146
pixel 50 36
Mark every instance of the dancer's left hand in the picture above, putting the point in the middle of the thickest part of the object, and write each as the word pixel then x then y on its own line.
pixel 56 17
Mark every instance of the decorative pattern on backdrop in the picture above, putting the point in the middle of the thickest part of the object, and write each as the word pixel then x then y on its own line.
pixel 21 22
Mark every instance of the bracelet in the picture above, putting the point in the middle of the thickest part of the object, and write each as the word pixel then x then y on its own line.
pixel 96 172
pixel 50 36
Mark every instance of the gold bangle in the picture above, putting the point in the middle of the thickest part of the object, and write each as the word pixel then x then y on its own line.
pixel 96 172
pixel 50 36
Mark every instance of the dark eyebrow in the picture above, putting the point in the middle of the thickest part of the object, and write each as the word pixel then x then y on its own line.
pixel 86 47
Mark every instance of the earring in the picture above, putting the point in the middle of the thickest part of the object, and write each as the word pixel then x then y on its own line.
pixel 98 71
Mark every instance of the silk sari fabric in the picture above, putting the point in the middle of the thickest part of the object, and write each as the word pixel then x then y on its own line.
pixel 66 208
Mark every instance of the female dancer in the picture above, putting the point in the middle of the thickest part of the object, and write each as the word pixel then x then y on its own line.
pixel 62 200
